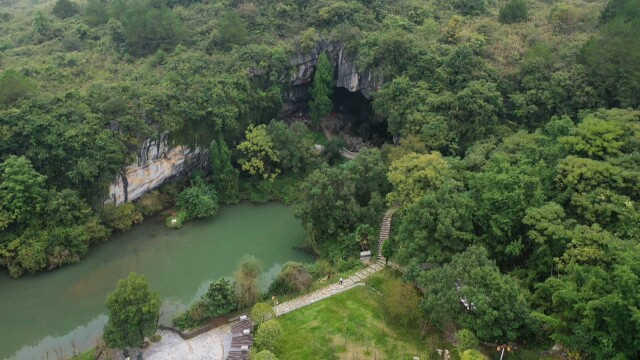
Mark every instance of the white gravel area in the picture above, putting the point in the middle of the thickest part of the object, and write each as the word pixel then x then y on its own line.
pixel 211 345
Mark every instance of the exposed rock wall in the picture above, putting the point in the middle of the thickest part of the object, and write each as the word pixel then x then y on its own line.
pixel 346 74
pixel 157 162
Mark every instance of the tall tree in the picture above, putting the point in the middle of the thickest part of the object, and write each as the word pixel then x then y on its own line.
pixel 260 156
pixel 133 312
pixel 65 9
pixel 321 90
pixel 225 176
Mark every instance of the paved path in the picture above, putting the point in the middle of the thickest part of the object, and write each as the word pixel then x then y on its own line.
pixel 208 346
pixel 351 282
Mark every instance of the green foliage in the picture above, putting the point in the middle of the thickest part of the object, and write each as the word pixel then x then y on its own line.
pixel 401 303
pixel 293 145
pixel 435 227
pixel 95 12
pixel 472 354
pixel 500 310
pixel 514 11
pixel 22 192
pixel 293 278
pixel 470 7
pixel 268 335
pixel 320 105
pixel 133 312
pixel 120 218
pixel 334 201
pixel 13 87
pixel 64 9
pixel 413 175
pixel 149 26
pixel 198 201
pixel 260 157
pixel 466 339
pixel 220 298
pixel 232 30
pixel 246 281
pixel 262 312
pixel 225 176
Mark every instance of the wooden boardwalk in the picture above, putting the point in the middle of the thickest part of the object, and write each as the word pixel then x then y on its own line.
pixel 240 339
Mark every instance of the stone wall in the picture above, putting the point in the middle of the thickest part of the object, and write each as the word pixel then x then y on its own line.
pixel 156 162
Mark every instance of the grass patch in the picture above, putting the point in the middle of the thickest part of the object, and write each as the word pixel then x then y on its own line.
pixel 347 326
pixel 89 355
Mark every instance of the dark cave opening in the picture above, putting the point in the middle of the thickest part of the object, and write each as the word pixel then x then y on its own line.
pixel 356 111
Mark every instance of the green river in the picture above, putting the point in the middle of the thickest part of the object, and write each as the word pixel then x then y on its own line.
pixel 53 310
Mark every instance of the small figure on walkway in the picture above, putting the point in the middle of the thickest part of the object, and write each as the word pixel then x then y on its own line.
pixel 340 281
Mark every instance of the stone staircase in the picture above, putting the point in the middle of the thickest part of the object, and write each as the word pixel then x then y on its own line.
pixel 348 283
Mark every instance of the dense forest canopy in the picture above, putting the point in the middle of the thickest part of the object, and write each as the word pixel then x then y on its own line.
pixel 514 164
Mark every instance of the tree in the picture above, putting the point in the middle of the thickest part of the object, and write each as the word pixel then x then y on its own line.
pixel 13 87
pixel 65 9
pixel 513 11
pixel 220 298
pixel 293 278
pixel 246 281
pixel 262 312
pixel 96 13
pixel 387 251
pixel 22 193
pixel 198 201
pixel 133 310
pixel 268 335
pixel 225 176
pixel 321 90
pixel 260 156
pixel 401 303
pixel 413 174
pixel 497 307
pixel 466 339
pixel 437 226
pixel 232 30
pixel 294 146
pixel 149 26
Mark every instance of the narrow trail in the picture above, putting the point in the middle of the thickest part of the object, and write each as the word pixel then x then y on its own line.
pixel 349 283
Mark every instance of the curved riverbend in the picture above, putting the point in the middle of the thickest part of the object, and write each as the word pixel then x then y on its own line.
pixel 44 312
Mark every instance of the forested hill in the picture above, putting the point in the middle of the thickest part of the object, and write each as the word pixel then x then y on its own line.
pixel 516 170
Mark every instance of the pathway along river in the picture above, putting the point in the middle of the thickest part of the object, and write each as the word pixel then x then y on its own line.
pixel 50 310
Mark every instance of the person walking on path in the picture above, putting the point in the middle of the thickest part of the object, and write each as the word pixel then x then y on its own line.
pixel 340 281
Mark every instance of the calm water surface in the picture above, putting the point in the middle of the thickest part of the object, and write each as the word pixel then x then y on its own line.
pixel 53 310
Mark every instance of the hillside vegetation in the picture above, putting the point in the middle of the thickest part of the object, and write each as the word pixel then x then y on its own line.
pixel 514 162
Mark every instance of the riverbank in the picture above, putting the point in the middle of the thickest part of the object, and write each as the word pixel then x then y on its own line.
pixel 50 310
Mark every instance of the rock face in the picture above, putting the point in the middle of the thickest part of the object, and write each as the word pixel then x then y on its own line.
pixel 346 75
pixel 157 162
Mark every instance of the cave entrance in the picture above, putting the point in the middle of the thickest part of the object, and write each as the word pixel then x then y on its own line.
pixel 355 116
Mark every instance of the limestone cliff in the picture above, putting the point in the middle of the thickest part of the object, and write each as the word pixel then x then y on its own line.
pixel 156 162
pixel 346 74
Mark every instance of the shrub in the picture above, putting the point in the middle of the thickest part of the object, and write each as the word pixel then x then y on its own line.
pixel 466 340
pixel 176 222
pixel 514 11
pixel 322 268
pixel 268 335
pixel 191 318
pixel 121 217
pixel 198 202
pixel 220 298
pixel 151 203
pixel 472 355
pixel 262 312
pixel 293 278
pixel 65 9
pixel 246 280
pixel 13 87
